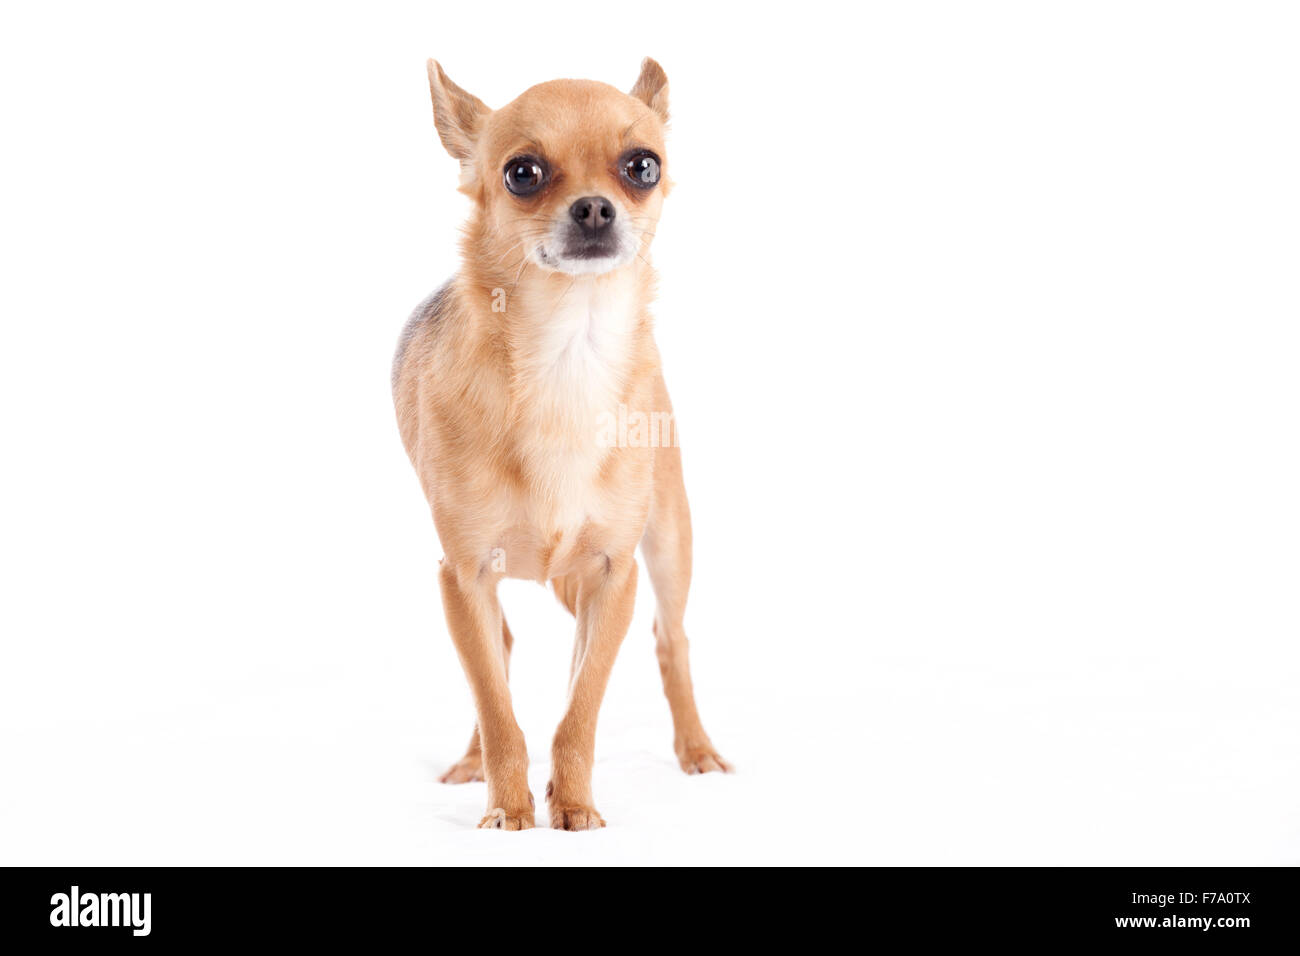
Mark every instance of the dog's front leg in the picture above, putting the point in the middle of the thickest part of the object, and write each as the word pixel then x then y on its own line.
pixel 469 598
pixel 604 608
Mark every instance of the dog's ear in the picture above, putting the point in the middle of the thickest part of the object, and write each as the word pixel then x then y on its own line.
pixel 458 115
pixel 651 87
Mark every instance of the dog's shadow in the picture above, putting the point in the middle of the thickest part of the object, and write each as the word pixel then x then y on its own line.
pixel 651 776
pixel 459 804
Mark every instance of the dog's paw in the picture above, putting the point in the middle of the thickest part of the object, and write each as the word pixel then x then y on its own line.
pixel 575 818
pixel 702 760
pixel 465 770
pixel 499 819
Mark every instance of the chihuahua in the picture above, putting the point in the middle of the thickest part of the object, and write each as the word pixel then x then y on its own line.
pixel 507 382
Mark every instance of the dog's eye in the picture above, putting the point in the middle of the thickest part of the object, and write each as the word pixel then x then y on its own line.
pixel 524 175
pixel 642 170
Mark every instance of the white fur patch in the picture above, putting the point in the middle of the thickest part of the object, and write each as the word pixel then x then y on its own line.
pixel 582 354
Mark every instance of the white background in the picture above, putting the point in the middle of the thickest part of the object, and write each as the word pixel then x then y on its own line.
pixel 981 323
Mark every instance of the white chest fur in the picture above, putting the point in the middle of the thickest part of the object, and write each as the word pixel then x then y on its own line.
pixel 579 357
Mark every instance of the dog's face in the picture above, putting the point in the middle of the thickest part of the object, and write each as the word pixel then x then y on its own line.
pixel 570 176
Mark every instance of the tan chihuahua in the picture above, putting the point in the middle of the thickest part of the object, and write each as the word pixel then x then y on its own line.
pixel 508 382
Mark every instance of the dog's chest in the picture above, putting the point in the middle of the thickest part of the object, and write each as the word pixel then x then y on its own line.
pixel 576 378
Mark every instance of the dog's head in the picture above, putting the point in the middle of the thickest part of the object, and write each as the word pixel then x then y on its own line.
pixel 570 176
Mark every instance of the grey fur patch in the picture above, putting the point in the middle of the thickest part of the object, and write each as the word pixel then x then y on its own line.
pixel 429 311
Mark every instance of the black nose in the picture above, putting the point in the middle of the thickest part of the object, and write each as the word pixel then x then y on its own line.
pixel 593 214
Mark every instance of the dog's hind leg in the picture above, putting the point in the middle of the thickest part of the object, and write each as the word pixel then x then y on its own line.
pixel 566 590
pixel 666 547
pixel 470 766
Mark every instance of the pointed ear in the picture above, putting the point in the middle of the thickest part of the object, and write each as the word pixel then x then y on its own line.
pixel 458 115
pixel 651 87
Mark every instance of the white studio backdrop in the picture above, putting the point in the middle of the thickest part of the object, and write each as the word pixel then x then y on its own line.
pixel 981 325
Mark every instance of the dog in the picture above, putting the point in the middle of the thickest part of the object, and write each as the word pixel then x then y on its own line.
pixel 507 381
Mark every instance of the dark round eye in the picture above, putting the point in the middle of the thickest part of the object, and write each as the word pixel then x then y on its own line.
pixel 524 175
pixel 642 170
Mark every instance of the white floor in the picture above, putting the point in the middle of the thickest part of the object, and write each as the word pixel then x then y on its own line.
pixel 890 758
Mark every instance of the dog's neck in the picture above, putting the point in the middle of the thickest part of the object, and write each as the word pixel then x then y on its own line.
pixel 555 313
pixel 575 333
pixel 574 341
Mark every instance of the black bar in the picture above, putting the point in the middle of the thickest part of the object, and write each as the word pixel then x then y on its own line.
pixel 1222 908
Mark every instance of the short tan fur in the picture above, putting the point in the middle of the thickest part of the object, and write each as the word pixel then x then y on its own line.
pixel 505 382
